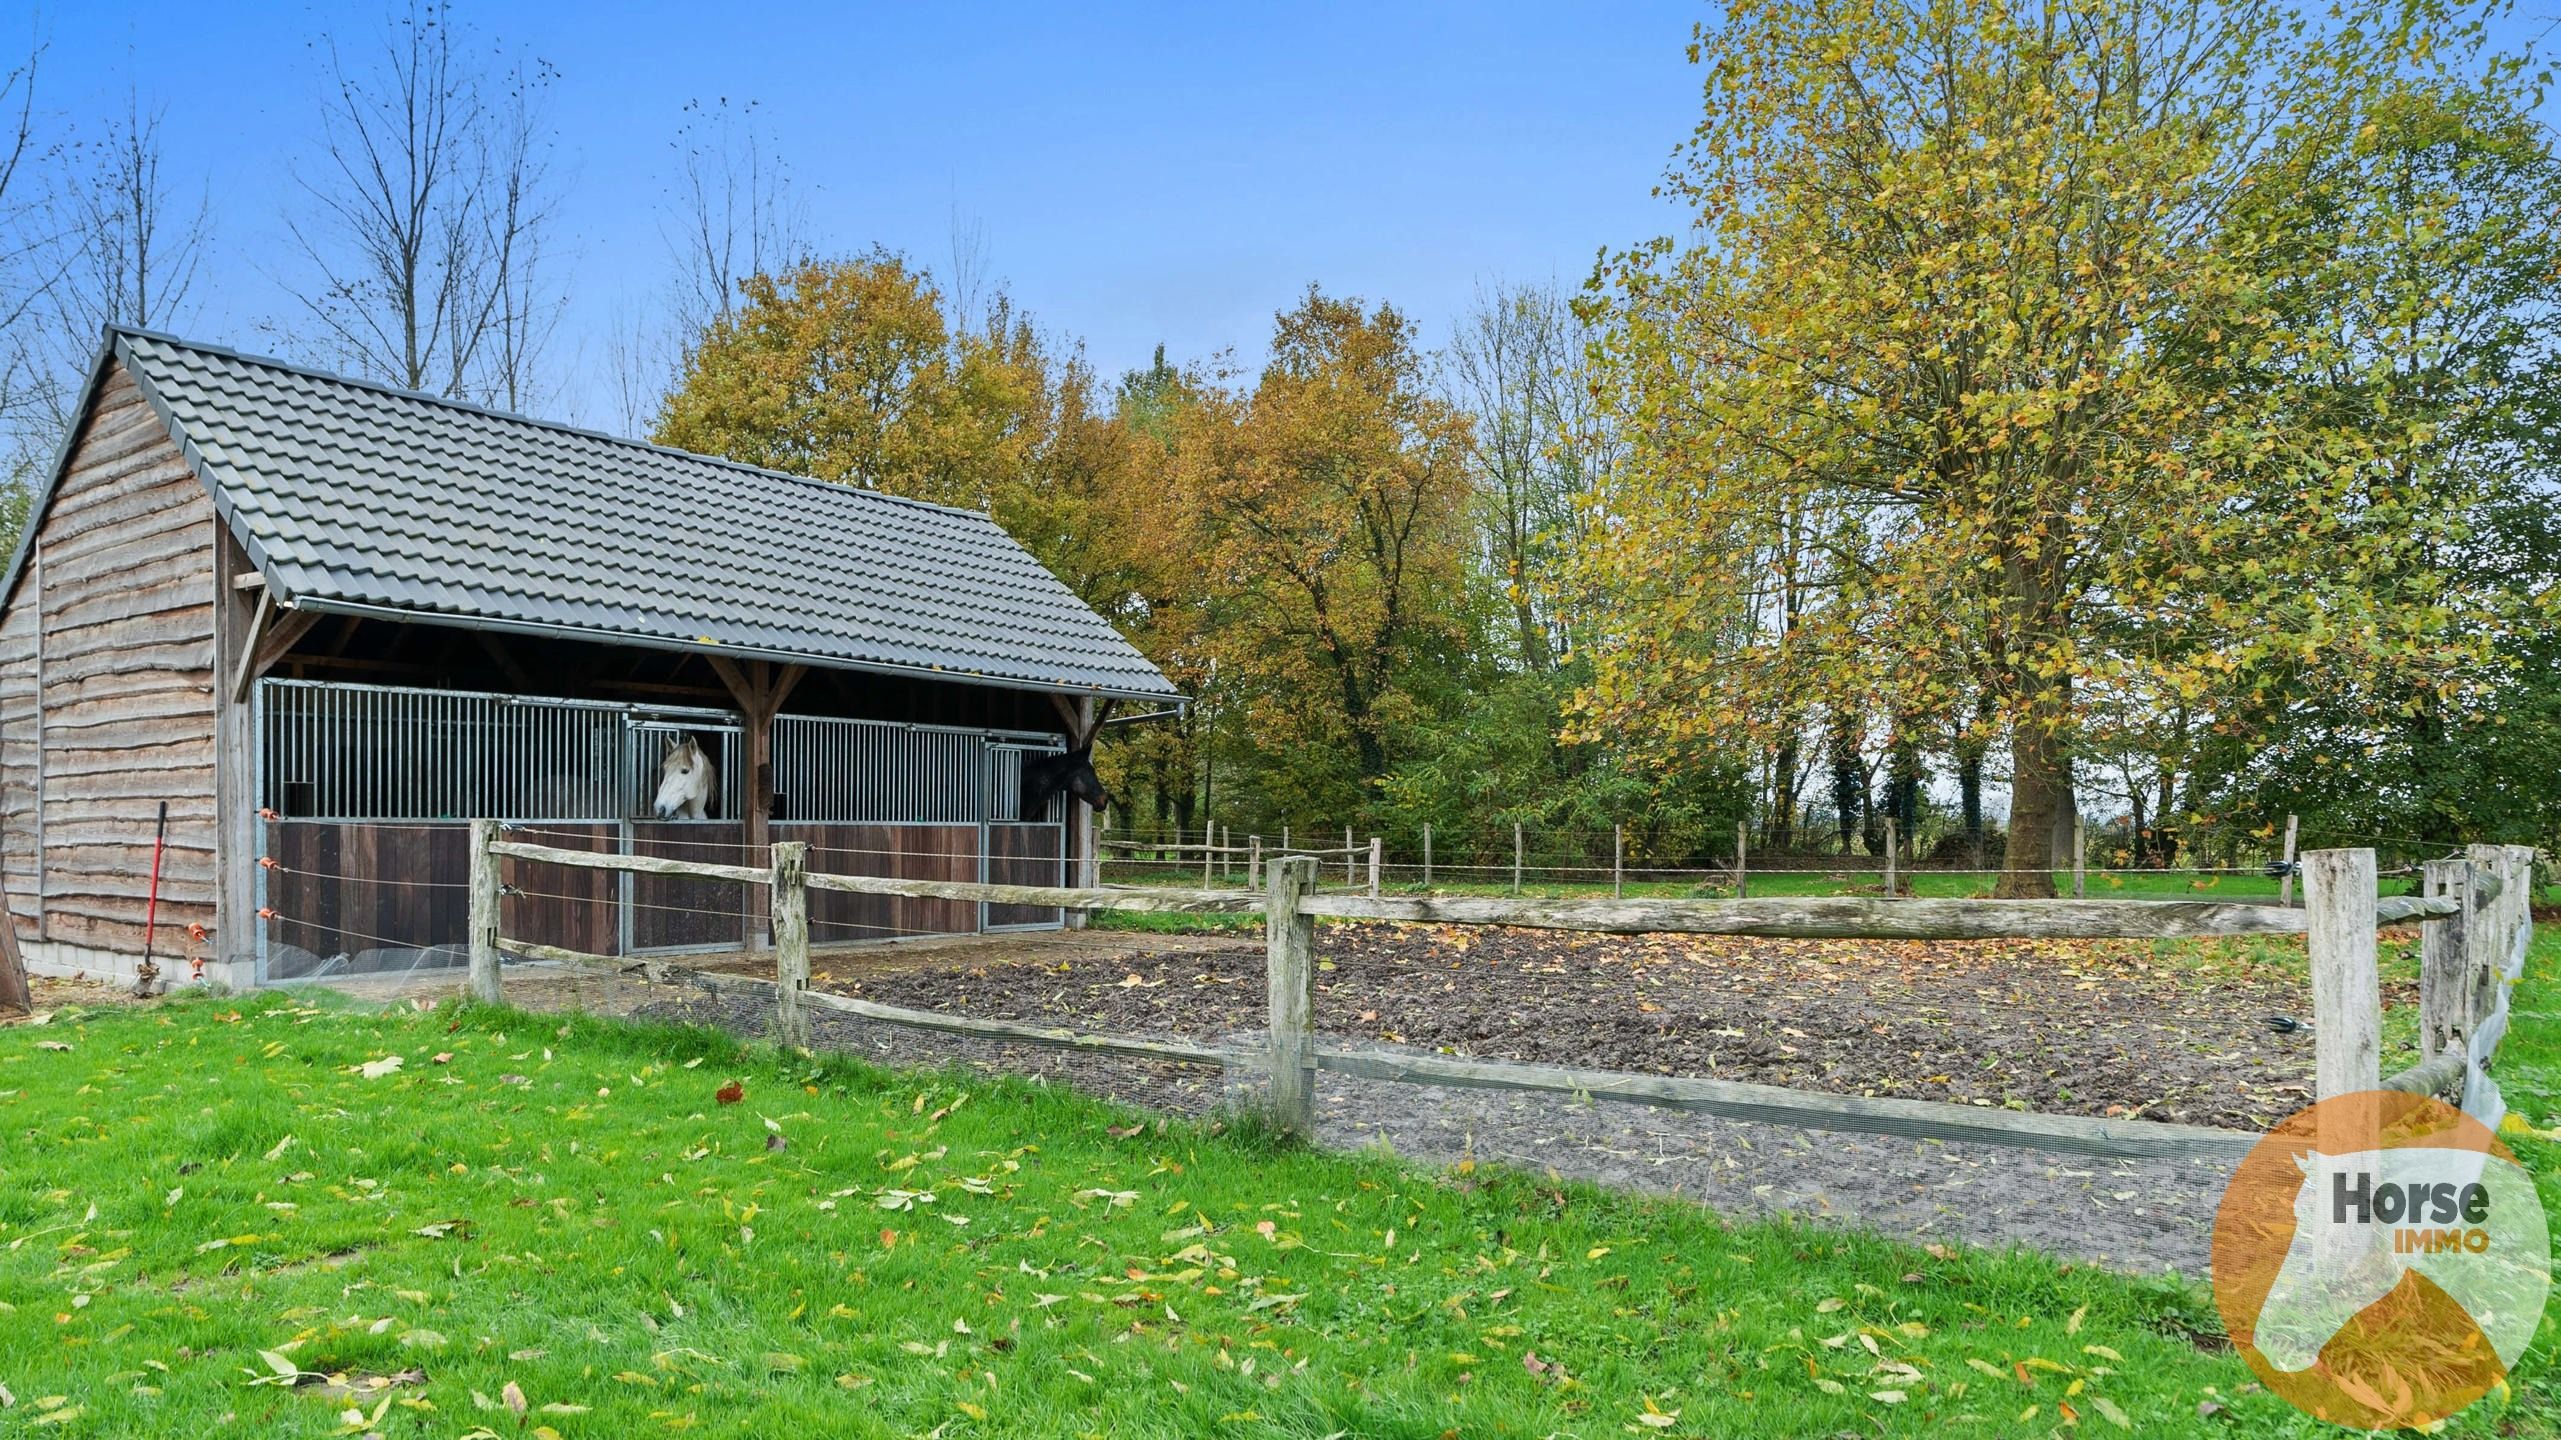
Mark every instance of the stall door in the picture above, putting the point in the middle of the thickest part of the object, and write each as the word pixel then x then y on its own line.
pixel 1021 849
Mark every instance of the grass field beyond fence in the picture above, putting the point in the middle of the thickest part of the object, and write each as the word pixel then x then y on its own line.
pixel 537 1227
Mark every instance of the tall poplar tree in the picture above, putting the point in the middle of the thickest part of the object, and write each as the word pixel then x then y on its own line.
pixel 1976 281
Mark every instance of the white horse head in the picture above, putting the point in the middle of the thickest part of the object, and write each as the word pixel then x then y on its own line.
pixel 686 780
pixel 2346 1255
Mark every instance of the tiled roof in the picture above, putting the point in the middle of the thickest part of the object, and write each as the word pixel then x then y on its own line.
pixel 348 494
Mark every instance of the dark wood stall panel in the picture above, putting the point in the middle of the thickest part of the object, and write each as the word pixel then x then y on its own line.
pixel 906 852
pixel 678 912
pixel 565 905
pixel 1025 855
pixel 351 898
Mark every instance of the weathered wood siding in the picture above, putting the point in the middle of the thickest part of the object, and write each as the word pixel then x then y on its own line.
pixel 1024 855
pixel 110 637
pixel 904 852
pixel 352 898
pixel 18 814
pixel 669 911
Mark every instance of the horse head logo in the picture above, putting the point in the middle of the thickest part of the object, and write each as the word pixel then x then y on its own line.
pixel 2364 1222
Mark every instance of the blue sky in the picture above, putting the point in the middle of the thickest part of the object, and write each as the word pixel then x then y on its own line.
pixel 1142 173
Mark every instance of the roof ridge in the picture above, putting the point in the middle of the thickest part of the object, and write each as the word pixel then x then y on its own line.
pixel 314 372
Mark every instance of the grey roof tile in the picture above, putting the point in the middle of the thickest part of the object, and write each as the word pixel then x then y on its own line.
pixel 351 493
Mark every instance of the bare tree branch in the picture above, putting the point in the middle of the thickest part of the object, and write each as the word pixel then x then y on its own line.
pixel 429 207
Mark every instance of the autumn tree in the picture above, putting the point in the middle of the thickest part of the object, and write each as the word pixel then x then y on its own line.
pixel 1969 282
pixel 1326 504
pixel 855 370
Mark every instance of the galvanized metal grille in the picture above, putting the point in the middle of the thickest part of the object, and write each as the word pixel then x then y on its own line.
pixel 1005 765
pixel 883 772
pixel 368 752
pixel 372 752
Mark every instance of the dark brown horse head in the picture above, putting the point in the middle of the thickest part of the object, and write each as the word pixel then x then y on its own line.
pixel 1071 771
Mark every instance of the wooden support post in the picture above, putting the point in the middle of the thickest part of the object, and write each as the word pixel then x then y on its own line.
pixel 1516 857
pixel 2285 886
pixel 1618 862
pixel 1351 866
pixel 15 993
pixel 1208 851
pixel 1085 827
pixel 238 831
pixel 2446 960
pixel 1890 839
pixel 483 920
pixel 2347 1002
pixel 1427 854
pixel 1254 862
pixel 2080 859
pixel 759 688
pixel 1374 866
pixel 788 893
pixel 1290 972
pixel 1742 860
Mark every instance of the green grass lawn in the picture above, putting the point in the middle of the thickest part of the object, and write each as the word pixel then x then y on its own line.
pixel 554 1228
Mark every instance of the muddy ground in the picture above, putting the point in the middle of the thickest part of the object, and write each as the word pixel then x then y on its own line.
pixel 2075 1027
pixel 2137 1216
pixel 2092 1028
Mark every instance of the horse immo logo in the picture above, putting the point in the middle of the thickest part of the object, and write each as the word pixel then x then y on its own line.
pixel 2381 1260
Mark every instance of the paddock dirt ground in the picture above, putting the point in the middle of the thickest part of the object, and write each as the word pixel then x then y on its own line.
pixel 2079 1027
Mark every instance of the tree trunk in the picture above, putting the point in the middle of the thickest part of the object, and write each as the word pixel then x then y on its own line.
pixel 1781 833
pixel 1969 800
pixel 2040 781
pixel 1849 783
pixel 2166 843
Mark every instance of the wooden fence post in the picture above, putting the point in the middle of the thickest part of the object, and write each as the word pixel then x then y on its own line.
pixel 1254 862
pixel 2347 1002
pixel 2488 927
pixel 2446 960
pixel 1375 856
pixel 1208 852
pixel 1351 866
pixel 1290 973
pixel 2080 858
pixel 2285 886
pixel 1516 857
pixel 2520 883
pixel 1742 860
pixel 1618 862
pixel 1427 854
pixel 484 913
pixel 1891 843
pixel 789 895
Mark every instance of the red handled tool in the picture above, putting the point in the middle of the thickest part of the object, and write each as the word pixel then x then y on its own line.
pixel 146 976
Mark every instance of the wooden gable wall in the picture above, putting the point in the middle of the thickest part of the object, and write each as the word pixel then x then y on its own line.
pixel 107 693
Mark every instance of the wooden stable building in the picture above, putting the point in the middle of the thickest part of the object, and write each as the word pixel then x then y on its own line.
pixel 327 623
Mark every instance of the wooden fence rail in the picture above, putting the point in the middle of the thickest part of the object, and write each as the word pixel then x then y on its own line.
pixel 2467 966
pixel 2478 928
